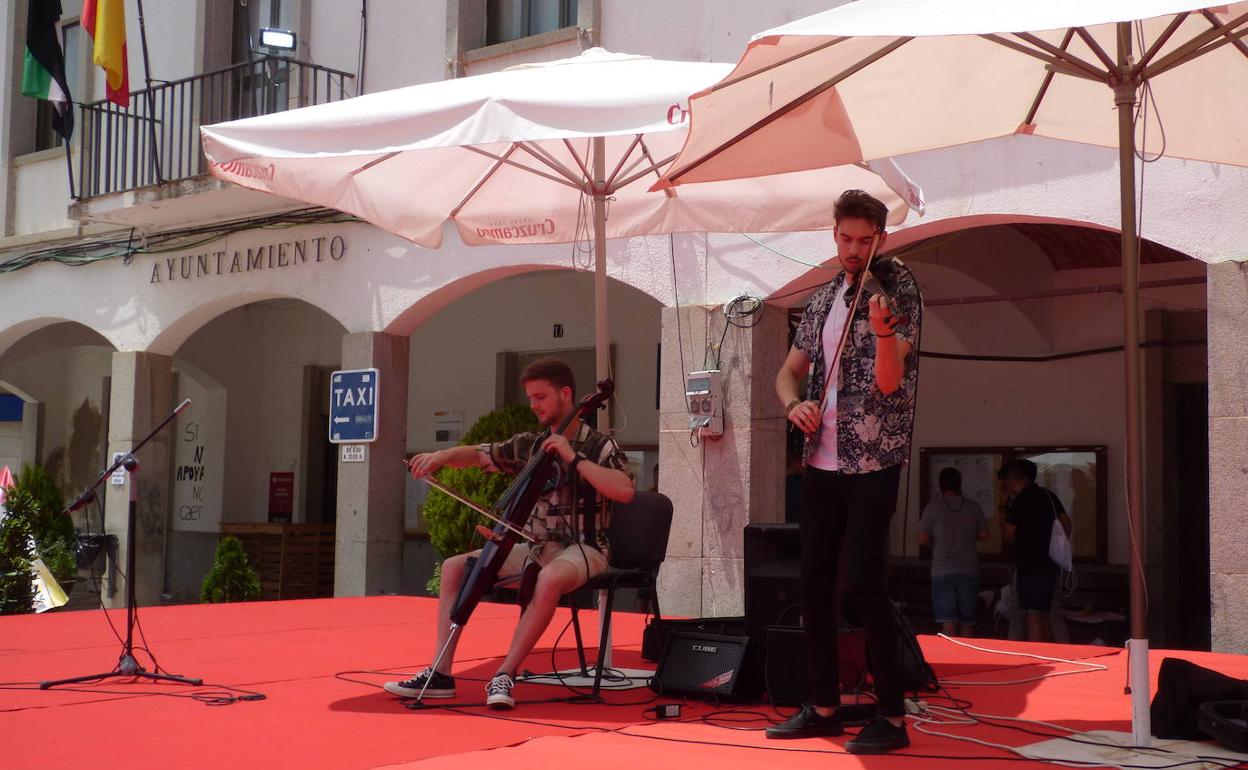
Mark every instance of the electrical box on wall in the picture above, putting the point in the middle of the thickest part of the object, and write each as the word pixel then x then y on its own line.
pixel 705 396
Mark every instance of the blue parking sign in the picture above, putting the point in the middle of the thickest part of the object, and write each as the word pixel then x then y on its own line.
pixel 353 406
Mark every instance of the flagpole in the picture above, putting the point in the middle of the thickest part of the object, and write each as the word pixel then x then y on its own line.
pixel 151 105
pixel 69 163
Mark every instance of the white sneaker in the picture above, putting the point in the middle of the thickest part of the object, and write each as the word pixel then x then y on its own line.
pixel 498 692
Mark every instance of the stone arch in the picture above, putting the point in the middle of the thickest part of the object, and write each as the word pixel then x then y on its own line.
pixel 171 338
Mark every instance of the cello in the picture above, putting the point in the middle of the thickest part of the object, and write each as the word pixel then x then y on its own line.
pixel 511 513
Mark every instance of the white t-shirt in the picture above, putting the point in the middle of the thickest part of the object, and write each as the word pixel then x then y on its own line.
pixel 824 457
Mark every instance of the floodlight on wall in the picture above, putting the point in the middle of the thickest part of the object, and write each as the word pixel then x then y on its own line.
pixel 277 39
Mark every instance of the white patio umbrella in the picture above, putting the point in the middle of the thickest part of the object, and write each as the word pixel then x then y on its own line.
pixel 879 78
pixel 542 153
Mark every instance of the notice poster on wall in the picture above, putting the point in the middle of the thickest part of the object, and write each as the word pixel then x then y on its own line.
pixel 281 496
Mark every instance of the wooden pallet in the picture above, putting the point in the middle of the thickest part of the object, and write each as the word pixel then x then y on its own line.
pixel 295 561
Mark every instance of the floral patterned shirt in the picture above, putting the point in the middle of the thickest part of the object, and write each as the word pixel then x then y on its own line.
pixel 558 515
pixel 872 429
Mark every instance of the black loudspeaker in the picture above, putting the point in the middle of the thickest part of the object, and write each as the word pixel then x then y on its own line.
pixel 773 566
pixel 702 665
pixel 786 675
pixel 654 637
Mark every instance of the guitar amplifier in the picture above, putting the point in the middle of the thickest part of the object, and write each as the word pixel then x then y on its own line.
pixel 786 675
pixel 702 665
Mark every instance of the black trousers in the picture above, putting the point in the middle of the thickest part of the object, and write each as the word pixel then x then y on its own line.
pixel 849 513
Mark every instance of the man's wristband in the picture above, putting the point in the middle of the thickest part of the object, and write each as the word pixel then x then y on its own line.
pixel 576 460
pixel 890 334
pixel 789 407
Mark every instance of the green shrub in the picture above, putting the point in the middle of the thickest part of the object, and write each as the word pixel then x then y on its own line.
pixel 452 525
pixel 231 579
pixel 37 501
pixel 16 589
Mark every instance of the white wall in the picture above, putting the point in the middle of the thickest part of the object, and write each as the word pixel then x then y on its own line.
pixel 69 383
pixel 41 199
pixel 453 354
pixel 258 353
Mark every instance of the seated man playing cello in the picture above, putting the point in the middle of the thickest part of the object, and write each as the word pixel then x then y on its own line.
pixel 569 546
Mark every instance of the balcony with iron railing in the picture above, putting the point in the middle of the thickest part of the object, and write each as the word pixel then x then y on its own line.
pixel 155 140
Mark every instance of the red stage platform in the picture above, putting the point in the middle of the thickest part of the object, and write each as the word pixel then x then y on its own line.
pixel 291 651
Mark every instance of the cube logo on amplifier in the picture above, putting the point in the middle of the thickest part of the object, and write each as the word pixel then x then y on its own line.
pixel 696 663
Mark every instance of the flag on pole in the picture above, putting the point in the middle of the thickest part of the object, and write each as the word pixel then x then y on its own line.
pixel 105 22
pixel 43 72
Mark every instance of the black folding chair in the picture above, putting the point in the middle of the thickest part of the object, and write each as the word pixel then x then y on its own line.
pixel 638 535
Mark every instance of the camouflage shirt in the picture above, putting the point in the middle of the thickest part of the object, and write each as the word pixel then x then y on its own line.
pixel 872 429
pixel 559 515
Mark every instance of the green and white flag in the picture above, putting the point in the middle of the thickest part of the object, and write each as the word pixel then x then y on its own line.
pixel 43 75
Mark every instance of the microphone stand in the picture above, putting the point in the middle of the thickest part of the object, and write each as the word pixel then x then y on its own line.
pixel 127 664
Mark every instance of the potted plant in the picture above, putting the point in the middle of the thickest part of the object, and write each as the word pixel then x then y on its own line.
pixel 232 578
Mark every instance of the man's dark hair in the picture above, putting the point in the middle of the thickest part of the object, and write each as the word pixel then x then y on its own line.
pixel 950 480
pixel 552 370
pixel 858 204
pixel 1019 470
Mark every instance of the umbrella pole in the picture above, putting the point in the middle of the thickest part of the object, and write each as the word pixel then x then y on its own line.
pixel 1137 646
pixel 602 337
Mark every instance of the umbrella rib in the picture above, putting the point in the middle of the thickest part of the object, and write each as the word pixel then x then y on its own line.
pixel 481 182
pixel 1096 48
pixel 542 156
pixel 648 169
pixel 1054 64
pixel 1064 56
pixel 372 163
pixel 668 191
pixel 799 101
pixel 1196 46
pixel 1212 19
pixel 1230 38
pixel 579 162
pixel 1044 85
pixel 528 169
pixel 773 65
pixel 616 171
pixel 1161 40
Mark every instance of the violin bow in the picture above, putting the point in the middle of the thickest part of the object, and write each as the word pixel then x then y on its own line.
pixel 849 320
pixel 444 489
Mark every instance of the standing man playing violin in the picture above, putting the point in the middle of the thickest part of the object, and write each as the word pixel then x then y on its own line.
pixel 570 546
pixel 857 422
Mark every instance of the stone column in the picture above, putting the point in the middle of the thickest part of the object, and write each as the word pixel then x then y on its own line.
pixel 1228 454
pixel 723 484
pixel 368 555
pixel 141 396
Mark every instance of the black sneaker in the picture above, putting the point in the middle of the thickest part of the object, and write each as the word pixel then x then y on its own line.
pixel 440 685
pixel 806 724
pixel 498 692
pixel 879 736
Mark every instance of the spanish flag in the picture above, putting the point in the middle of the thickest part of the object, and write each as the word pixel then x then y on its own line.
pixel 105 22
pixel 43 72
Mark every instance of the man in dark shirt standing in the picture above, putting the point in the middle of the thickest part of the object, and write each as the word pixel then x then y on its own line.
pixel 1029 515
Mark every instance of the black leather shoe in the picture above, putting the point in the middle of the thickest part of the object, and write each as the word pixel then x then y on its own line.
pixel 806 724
pixel 879 736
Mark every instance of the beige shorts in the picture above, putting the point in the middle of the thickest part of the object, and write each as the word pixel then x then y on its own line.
pixel 588 561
